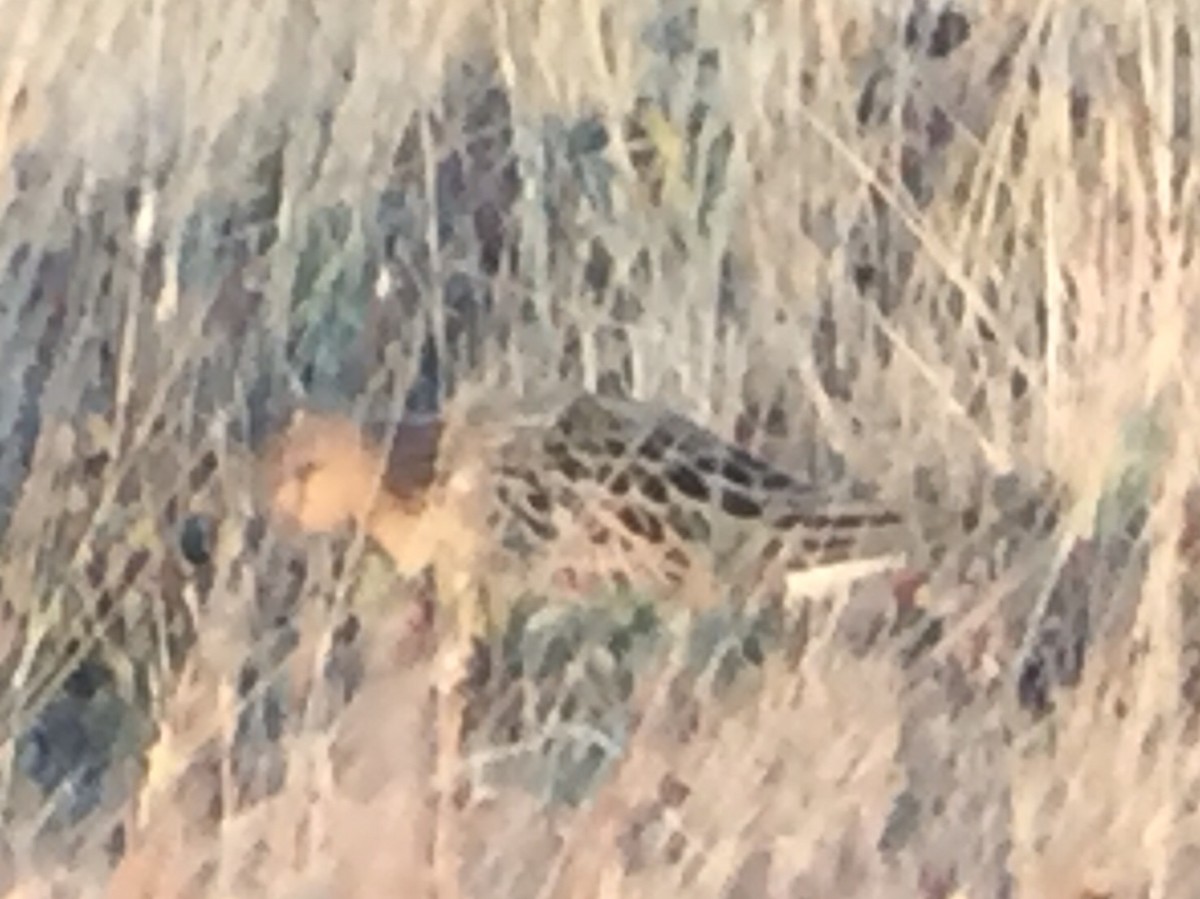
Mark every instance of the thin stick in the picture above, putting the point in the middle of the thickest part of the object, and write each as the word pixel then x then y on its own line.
pixel 452 673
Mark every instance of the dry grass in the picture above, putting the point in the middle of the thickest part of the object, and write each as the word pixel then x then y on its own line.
pixel 854 252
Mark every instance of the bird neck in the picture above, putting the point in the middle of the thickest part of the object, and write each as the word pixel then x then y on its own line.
pixel 406 531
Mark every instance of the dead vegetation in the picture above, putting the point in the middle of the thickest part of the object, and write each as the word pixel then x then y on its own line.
pixel 950 252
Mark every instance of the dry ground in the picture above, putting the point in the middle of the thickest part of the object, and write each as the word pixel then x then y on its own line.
pixel 951 252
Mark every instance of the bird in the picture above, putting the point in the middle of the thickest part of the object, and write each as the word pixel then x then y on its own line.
pixel 570 496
